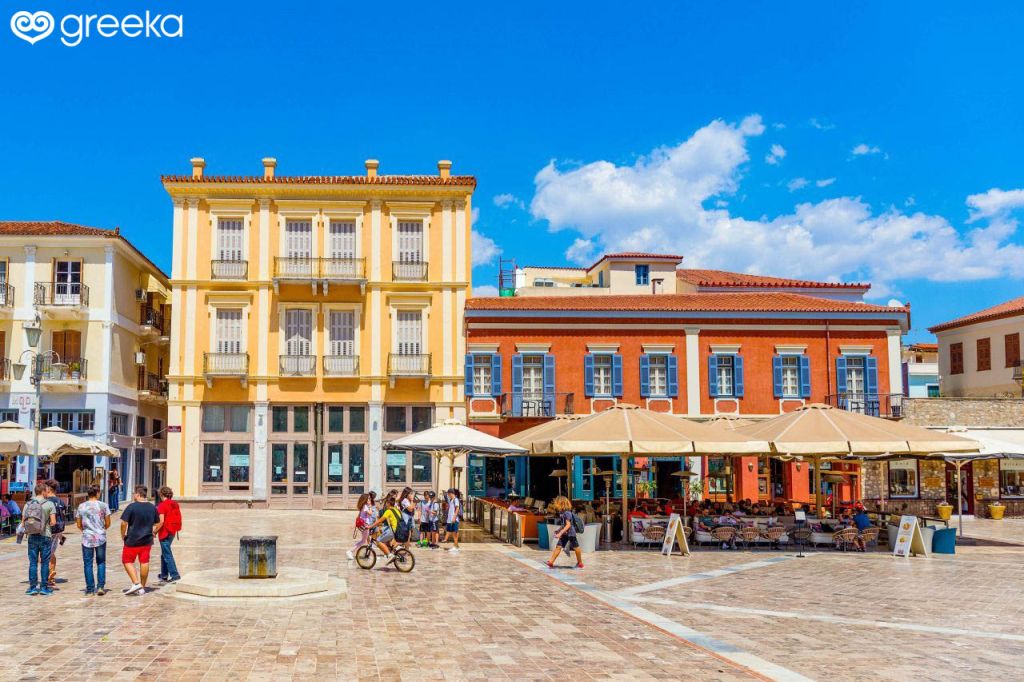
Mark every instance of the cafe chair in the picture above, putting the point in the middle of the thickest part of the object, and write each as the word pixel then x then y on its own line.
pixel 773 534
pixel 654 534
pixel 725 535
pixel 845 538
pixel 749 535
pixel 869 536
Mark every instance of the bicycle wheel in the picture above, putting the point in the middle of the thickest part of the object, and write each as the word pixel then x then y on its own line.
pixel 404 560
pixel 366 557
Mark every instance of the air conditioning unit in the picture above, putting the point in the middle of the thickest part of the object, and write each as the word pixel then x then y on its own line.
pixel 140 295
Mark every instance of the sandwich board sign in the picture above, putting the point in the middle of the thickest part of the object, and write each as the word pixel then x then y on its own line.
pixel 674 533
pixel 909 538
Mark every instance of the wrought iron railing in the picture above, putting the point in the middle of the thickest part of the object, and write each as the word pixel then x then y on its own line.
pixel 230 269
pixel 6 295
pixel 530 405
pixel 887 405
pixel 401 364
pixel 152 383
pixel 69 294
pixel 152 317
pixel 341 365
pixel 226 364
pixel 298 365
pixel 5 369
pixel 63 369
pixel 409 271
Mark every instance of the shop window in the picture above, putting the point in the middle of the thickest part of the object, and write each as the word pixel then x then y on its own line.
pixel 1011 478
pixel 394 419
pixel 421 463
pixel 221 418
pixel 903 478
pixel 213 463
pixel 719 476
pixel 238 466
pixel 300 419
pixel 357 419
pixel 279 419
pixel 396 466
pixel 335 419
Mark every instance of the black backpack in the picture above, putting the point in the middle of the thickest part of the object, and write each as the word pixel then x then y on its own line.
pixel 402 529
pixel 61 514
pixel 578 524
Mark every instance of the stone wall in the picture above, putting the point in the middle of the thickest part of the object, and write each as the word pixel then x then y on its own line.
pixel 964 411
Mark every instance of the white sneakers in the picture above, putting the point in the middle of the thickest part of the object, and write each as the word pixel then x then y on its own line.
pixel 454 550
pixel 350 555
pixel 391 558
pixel 134 588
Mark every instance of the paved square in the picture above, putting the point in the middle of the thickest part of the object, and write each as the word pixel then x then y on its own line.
pixel 495 612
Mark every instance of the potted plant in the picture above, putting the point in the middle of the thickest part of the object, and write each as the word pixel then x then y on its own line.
pixel 75 367
pixel 644 488
pixel 944 510
pixel 996 510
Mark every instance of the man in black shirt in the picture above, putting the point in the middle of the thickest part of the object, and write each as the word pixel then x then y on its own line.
pixel 139 523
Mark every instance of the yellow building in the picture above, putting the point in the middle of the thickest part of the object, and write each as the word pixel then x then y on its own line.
pixel 100 305
pixel 316 318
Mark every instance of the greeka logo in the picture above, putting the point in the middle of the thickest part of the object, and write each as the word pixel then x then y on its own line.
pixel 74 28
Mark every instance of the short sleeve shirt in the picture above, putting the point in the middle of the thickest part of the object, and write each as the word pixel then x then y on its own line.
pixel 566 517
pixel 140 517
pixel 49 509
pixel 453 510
pixel 93 514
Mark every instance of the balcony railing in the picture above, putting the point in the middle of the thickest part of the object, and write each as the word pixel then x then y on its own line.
pixel 6 295
pixel 1018 372
pixel 65 369
pixel 298 365
pixel 343 268
pixel 295 267
pixel 409 271
pixel 230 269
pixel 64 294
pixel 403 365
pixel 152 317
pixel 152 383
pixel 887 405
pixel 306 268
pixel 5 369
pixel 225 364
pixel 341 365
pixel 538 405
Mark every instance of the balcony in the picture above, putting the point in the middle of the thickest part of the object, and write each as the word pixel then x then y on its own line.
pixel 6 299
pixel 62 373
pixel 319 270
pixel 5 370
pixel 343 271
pixel 508 405
pixel 409 271
pixel 298 365
pixel 1018 372
pixel 886 405
pixel 152 387
pixel 225 365
pixel 62 299
pixel 401 365
pixel 341 365
pixel 152 321
pixel 230 269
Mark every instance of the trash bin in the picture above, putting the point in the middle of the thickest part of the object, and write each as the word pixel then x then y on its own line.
pixel 944 541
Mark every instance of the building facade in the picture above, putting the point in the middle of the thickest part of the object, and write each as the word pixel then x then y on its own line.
pixel 101 306
pixel 316 319
pixel 767 347
pixel 921 370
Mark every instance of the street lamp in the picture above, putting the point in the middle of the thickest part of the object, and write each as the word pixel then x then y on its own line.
pixel 33 331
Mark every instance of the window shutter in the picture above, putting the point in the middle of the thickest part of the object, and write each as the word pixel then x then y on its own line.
pixel 737 371
pixel 588 375
pixel 495 375
pixel 645 376
pixel 713 375
pixel 871 376
pixel 617 375
pixel 672 378
pixel 805 376
pixel 549 383
pixel 841 374
pixel 469 375
pixel 517 385
pixel 777 376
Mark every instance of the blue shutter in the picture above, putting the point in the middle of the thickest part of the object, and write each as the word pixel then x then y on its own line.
pixel 871 376
pixel 617 375
pixel 737 375
pixel 469 375
pixel 672 370
pixel 550 409
pixel 841 374
pixel 713 375
pixel 805 376
pixel 588 375
pixel 517 385
pixel 495 375
pixel 777 376
pixel 645 376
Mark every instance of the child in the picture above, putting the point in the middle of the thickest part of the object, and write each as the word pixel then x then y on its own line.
pixel 452 523
pixel 428 520
pixel 389 518
pixel 367 516
pixel 566 535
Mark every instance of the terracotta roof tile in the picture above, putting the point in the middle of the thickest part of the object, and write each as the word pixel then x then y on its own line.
pixel 454 180
pixel 705 302
pixel 1012 307
pixel 724 278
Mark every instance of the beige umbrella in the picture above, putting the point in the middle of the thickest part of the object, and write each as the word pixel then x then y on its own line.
pixel 11 440
pixel 820 430
pixel 54 442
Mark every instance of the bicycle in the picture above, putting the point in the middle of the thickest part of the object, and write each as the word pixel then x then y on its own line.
pixel 366 556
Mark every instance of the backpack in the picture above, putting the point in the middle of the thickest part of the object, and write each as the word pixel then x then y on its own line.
pixel 578 524
pixel 61 513
pixel 33 518
pixel 402 529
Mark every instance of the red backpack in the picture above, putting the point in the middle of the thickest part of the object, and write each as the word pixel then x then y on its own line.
pixel 172 517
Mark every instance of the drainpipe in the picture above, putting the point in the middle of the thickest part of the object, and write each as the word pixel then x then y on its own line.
pixel 828 361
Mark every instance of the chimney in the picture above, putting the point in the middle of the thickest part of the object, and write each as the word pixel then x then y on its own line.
pixel 198 164
pixel 445 169
pixel 269 164
pixel 371 167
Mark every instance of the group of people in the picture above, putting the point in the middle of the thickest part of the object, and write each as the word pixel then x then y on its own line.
pixel 397 516
pixel 43 524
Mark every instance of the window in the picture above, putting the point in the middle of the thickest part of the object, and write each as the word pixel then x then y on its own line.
pixel 790 376
pixel 12 416
pixel 119 424
pixel 1011 478
pixel 69 420
pixel 357 419
pixel 903 478
pixel 229 239
pixel 213 462
pixel 158 427
pixel 956 358
pixel 410 241
pixel 984 352
pixel 140 426
pixel 341 326
pixel 543 282
pixel 933 390
pixel 1011 346
pixel 279 419
pixel 229 331
pixel 643 275
pixel 298 331
pixel 335 419
pixel 221 418
pixel 422 418
pixel 238 465
pixel 855 375
pixel 602 375
pixel 300 419
pixel 719 476
pixel 394 419
pixel 410 334
pixel 396 466
pixel 298 239
pixel 659 375
pixel 421 462
pixel 67 279
pixel 482 375
pixel 342 241
pixel 726 375
pixel 533 377
pixel 67 345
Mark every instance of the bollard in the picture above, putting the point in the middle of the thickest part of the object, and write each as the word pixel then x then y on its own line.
pixel 257 556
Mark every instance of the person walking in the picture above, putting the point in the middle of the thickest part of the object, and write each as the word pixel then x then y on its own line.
pixel 170 526
pixel 566 535
pixel 407 506
pixel 114 490
pixel 428 509
pixel 452 519
pixel 57 539
pixel 139 523
pixel 367 517
pixel 93 518
pixel 38 519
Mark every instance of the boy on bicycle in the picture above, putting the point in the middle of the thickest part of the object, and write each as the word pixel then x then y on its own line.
pixel 389 519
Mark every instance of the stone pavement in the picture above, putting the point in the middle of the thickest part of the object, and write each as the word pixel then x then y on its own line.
pixel 1003 530
pixel 496 612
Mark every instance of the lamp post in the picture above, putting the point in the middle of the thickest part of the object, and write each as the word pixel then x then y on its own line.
pixel 33 331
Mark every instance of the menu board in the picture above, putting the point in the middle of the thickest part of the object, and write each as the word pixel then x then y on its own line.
pixel 675 533
pixel 909 538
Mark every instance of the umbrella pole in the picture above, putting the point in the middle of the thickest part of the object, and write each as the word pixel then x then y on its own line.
pixel 959 499
pixel 624 484
pixel 817 486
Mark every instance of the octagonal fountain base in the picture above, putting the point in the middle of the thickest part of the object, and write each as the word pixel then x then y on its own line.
pixel 223 584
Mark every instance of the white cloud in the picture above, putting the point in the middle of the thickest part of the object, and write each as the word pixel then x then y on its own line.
pixel 663 202
pixel 824 182
pixel 485 290
pixel 777 153
pixel 796 183
pixel 506 200
pixel 822 125
pixel 994 202
pixel 485 250
pixel 863 150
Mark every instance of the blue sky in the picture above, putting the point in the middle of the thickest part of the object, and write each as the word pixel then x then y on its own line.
pixel 728 133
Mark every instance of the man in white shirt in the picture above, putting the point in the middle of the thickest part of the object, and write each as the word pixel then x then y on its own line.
pixel 452 522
